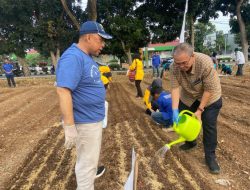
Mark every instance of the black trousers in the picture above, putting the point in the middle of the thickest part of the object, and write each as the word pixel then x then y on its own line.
pixel 10 80
pixel 138 87
pixel 209 124
pixel 240 70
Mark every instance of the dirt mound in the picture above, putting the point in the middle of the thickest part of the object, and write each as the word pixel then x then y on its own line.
pixel 45 164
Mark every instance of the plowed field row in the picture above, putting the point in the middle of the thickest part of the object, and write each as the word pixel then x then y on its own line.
pixel 49 166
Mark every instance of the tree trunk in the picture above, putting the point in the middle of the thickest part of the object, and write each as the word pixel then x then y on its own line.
pixel 23 63
pixel 192 31
pixel 242 27
pixel 71 16
pixel 127 51
pixel 55 56
pixel 91 9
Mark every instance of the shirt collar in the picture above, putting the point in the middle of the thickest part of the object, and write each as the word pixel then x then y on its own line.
pixel 193 67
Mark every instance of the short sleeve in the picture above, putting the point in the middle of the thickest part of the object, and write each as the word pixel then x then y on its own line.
pixel 209 77
pixel 173 77
pixel 133 65
pixel 69 71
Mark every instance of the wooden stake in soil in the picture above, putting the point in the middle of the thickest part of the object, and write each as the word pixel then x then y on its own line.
pixel 136 173
pixel 131 182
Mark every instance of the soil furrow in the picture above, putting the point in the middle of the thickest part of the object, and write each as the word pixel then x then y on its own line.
pixel 142 129
pixel 177 164
pixel 33 159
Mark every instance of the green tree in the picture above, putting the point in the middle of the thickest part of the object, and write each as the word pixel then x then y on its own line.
pixel 201 11
pixel 201 31
pixel 54 30
pixel 235 26
pixel 162 18
pixel 91 10
pixel 120 20
pixel 220 41
pixel 236 8
pixel 16 26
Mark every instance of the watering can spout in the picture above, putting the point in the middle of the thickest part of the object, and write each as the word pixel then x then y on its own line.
pixel 179 140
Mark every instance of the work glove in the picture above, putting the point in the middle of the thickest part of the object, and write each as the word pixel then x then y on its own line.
pixel 70 136
pixel 176 116
pixel 148 112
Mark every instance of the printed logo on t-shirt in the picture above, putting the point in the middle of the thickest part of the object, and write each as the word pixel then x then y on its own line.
pixel 167 96
pixel 95 74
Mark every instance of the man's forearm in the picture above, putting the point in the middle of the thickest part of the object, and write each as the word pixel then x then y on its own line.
pixel 66 105
pixel 175 94
pixel 204 100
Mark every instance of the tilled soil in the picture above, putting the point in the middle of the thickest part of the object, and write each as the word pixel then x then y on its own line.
pixel 33 157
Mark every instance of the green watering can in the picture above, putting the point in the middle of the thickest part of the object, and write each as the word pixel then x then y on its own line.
pixel 188 128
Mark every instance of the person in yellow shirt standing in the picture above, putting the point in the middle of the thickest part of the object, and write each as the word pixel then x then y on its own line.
pixel 138 66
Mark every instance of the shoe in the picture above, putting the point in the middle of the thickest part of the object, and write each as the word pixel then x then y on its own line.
pixel 213 166
pixel 188 146
pixel 169 129
pixel 100 171
pixel 148 112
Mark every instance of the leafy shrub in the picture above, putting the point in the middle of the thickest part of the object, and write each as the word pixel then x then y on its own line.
pixel 113 61
pixel 114 66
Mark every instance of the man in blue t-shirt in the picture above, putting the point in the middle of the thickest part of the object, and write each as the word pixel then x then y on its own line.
pixel 8 70
pixel 164 101
pixel 156 62
pixel 81 97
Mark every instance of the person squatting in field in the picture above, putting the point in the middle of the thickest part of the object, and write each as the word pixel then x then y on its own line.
pixel 148 100
pixel 195 86
pixel 81 96
pixel 155 98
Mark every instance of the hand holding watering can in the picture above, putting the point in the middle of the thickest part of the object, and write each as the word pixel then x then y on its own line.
pixel 186 125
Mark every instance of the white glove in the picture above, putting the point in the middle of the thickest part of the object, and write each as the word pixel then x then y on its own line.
pixel 70 136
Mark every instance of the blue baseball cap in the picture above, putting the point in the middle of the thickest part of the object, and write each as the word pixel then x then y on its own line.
pixel 92 27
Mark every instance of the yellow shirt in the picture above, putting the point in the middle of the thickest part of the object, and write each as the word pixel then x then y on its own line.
pixel 146 98
pixel 138 66
pixel 105 70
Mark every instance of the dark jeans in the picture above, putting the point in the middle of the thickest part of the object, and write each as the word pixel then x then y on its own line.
pixel 138 87
pixel 154 105
pixel 240 70
pixel 158 118
pixel 10 80
pixel 156 70
pixel 209 124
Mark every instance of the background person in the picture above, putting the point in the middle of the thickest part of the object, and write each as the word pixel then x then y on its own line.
pixel 8 70
pixel 138 66
pixel 200 93
pixel 156 62
pixel 106 75
pixel 226 69
pixel 215 61
pixel 81 96
pixel 240 61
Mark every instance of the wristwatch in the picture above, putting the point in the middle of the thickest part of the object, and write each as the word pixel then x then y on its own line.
pixel 201 109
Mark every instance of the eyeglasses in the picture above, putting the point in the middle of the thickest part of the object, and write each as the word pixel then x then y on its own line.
pixel 99 39
pixel 180 64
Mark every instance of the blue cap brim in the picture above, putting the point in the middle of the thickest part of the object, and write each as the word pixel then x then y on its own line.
pixel 105 36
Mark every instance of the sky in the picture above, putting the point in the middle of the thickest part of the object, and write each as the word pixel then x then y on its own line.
pixel 221 23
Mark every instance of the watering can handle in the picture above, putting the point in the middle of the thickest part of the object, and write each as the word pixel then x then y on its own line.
pixel 186 111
